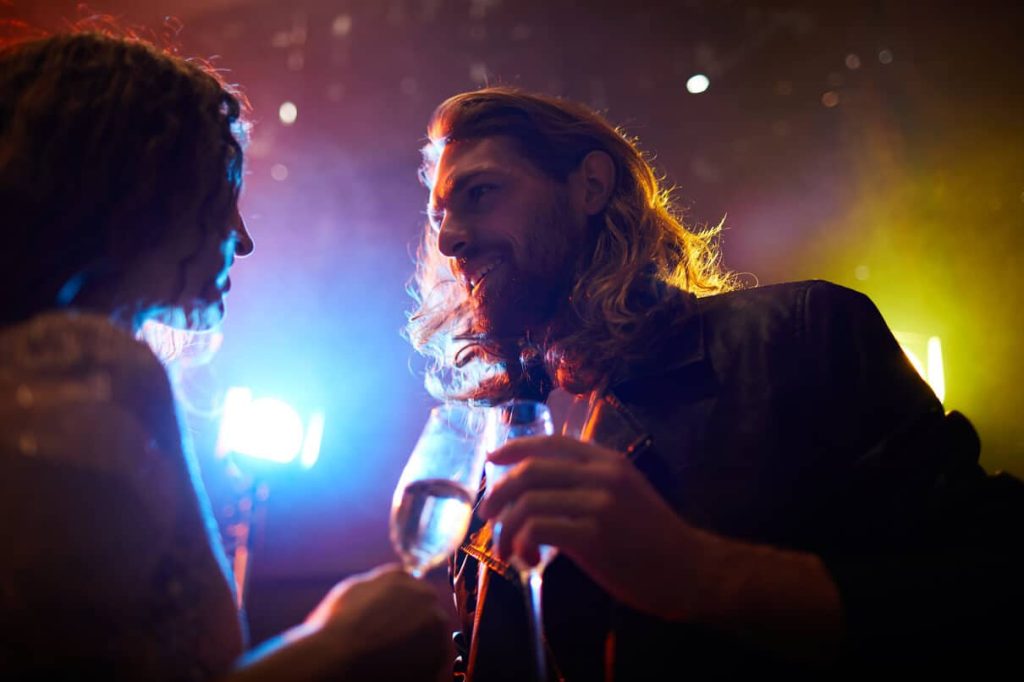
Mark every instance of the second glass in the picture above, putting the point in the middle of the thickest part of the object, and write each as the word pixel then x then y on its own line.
pixel 519 419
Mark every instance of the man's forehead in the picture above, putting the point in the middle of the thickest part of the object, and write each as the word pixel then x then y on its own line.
pixel 461 158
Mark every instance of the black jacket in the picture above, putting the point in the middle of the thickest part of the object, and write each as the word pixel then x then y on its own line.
pixel 785 415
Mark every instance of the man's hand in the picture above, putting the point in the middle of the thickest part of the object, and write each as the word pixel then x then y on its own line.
pixel 593 505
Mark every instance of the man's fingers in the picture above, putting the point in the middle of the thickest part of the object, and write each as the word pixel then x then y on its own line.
pixel 571 536
pixel 552 447
pixel 544 474
pixel 540 504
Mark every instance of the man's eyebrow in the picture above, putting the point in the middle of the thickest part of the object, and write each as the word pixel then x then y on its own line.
pixel 453 187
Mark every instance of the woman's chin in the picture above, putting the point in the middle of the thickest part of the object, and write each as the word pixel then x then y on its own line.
pixel 185 337
pixel 200 316
pixel 210 316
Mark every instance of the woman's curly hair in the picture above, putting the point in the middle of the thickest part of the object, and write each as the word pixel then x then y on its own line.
pixel 105 141
pixel 641 261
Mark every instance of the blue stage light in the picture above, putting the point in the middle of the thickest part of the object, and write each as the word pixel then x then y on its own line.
pixel 268 429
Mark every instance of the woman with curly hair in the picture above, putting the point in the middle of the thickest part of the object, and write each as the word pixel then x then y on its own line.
pixel 120 170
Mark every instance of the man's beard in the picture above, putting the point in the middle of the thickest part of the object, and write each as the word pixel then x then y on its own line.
pixel 535 287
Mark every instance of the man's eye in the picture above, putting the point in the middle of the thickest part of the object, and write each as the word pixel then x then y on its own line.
pixel 435 218
pixel 477 192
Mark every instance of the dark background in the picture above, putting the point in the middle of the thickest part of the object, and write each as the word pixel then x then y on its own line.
pixel 874 144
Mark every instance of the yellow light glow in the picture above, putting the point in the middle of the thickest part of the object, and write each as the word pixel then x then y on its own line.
pixel 931 369
pixel 916 362
pixel 936 374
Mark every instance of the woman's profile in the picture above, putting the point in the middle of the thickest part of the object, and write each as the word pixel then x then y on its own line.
pixel 120 170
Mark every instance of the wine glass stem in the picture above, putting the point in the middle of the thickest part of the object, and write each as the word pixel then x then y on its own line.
pixel 534 583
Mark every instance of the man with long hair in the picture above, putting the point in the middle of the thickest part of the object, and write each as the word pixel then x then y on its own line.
pixel 767 484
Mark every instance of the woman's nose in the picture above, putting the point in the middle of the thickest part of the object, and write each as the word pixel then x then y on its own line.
pixel 243 244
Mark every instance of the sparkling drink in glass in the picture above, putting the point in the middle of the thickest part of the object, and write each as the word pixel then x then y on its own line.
pixel 433 501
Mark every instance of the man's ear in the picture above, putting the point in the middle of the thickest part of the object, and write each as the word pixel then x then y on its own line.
pixel 597 173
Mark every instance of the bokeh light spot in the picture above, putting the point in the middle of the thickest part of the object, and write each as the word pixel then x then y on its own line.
pixel 288 112
pixel 885 56
pixel 279 172
pixel 408 86
pixel 335 91
pixel 830 99
pixel 521 32
pixel 478 73
pixel 852 62
pixel 342 25
pixel 697 84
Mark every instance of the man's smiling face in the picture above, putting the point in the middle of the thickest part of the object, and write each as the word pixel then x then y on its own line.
pixel 509 231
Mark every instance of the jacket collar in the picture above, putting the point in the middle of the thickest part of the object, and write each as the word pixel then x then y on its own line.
pixel 680 342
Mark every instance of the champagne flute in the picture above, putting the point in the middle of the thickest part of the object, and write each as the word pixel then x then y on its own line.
pixel 517 419
pixel 433 501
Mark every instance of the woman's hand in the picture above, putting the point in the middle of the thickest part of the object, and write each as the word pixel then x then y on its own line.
pixel 379 625
pixel 390 623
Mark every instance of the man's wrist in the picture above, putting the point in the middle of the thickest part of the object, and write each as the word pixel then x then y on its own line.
pixel 782 600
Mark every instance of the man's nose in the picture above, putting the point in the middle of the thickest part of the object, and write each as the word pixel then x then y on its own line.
pixel 453 238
